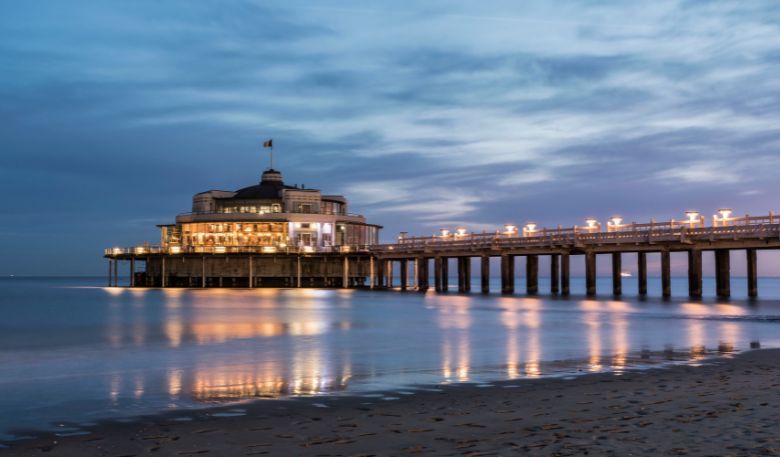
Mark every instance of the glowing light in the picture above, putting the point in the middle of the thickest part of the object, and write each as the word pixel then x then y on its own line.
pixel 308 249
pixel 693 216
pixel 460 231
pixel 344 249
pixel 616 221
pixel 444 232
pixel 531 226
pixel 510 229
pixel 219 249
pixel 116 251
pixel 139 250
pixel 269 249
pixel 591 223
pixel 175 249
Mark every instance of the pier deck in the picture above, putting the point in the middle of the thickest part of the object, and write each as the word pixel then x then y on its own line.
pixel 690 236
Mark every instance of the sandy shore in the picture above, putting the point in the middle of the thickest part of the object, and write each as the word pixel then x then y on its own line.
pixel 727 407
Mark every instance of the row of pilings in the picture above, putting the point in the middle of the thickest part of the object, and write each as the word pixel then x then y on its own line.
pixel 560 275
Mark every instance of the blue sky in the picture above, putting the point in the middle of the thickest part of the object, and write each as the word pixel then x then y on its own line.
pixel 425 114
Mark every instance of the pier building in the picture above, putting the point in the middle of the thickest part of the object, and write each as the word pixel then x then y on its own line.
pixel 267 234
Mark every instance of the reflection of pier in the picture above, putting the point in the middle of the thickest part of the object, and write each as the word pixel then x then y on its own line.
pixel 689 236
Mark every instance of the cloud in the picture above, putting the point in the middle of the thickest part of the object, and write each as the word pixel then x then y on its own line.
pixel 424 115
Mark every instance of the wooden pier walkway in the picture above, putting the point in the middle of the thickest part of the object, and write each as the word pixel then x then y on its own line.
pixel 690 236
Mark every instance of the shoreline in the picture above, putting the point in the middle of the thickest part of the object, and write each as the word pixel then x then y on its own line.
pixel 723 406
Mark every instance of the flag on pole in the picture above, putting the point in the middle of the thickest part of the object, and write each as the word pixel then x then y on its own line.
pixel 268 143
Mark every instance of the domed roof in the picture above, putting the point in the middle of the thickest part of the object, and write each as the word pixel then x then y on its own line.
pixel 270 187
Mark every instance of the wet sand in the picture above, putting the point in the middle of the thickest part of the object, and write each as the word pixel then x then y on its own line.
pixel 729 406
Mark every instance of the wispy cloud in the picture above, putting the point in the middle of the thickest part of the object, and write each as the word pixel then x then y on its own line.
pixel 425 115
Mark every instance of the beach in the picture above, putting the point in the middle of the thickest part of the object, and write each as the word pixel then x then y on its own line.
pixel 724 406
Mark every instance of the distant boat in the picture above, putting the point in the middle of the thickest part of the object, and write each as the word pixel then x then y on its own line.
pixel 625 274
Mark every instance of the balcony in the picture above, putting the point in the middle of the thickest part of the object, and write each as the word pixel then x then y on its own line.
pixel 240 216
pixel 141 251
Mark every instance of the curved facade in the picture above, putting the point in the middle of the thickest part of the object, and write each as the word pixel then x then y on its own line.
pixel 271 216
pixel 268 234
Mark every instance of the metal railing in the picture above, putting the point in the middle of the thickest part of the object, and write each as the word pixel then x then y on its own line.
pixel 736 228
pixel 174 250
pixel 279 213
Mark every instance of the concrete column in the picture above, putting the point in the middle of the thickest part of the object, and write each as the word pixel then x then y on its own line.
pixel 723 273
pixel 445 274
pixel 590 273
pixel 532 274
pixel 371 274
pixel 752 273
pixel 389 273
pixel 565 274
pixel 380 273
pixel 437 273
pixel 298 271
pixel 404 274
pixel 414 273
pixel 163 273
pixel 464 274
pixel 251 272
pixel 110 269
pixel 132 271
pixel 617 268
pixel 116 273
pixel 641 271
pixel 422 274
pixel 694 273
pixel 484 272
pixel 507 274
pixel 203 271
pixel 666 274
pixel 555 273
pixel 345 273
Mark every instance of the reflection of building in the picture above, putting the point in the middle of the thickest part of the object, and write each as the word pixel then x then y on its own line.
pixel 269 234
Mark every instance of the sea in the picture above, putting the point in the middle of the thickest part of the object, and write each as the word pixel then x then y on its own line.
pixel 74 352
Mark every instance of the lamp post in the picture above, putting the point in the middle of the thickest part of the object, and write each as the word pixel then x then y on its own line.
pixel 693 218
pixel 591 224
pixel 723 220
pixel 614 223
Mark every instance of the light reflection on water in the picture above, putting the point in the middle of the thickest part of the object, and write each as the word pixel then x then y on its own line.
pixel 81 354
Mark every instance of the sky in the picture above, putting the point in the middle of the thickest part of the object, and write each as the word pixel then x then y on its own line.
pixel 424 114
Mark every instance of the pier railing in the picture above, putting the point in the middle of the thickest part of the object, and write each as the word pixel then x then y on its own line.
pixel 686 231
pixel 216 250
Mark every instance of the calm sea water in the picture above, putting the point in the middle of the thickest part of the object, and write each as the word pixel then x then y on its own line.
pixel 73 352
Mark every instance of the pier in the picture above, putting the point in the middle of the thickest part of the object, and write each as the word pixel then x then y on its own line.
pixel 690 235
pixel 421 260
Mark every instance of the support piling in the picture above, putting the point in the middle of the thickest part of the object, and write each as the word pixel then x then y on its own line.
pixel 641 270
pixel 590 273
pixel 532 274
pixel 485 274
pixel 617 278
pixel 507 274
pixel 752 273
